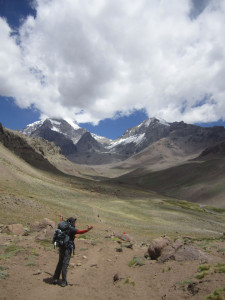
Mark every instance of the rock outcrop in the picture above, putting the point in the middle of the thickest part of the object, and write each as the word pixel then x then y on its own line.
pixel 157 245
pixel 163 249
pixel 16 229
pixel 46 229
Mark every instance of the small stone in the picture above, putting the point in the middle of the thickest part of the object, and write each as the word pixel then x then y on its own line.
pixel 84 257
pixel 72 265
pixel 130 246
pixel 119 249
pixel 116 277
pixel 78 264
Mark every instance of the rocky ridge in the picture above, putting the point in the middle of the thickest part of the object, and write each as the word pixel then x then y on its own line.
pixel 34 151
pixel 80 146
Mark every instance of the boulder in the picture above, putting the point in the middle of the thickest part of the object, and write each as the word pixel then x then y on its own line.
pixel 187 253
pixel 123 236
pixel 39 226
pixel 16 229
pixel 181 252
pixel 46 234
pixel 156 246
pixel 168 252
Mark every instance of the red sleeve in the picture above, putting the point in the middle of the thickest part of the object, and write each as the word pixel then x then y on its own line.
pixel 81 231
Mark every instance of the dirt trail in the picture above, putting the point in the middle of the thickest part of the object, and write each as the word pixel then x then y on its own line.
pixel 92 270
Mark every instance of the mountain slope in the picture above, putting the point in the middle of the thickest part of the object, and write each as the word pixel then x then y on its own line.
pixel 200 181
pixel 190 138
pixel 49 132
pixel 33 152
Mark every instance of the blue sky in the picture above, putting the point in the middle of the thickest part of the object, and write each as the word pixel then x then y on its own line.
pixel 15 118
pixel 110 65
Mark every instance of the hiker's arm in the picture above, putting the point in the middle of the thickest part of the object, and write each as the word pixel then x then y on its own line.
pixel 84 231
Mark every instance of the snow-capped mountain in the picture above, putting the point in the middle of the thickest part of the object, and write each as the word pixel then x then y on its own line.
pixel 81 146
pixel 70 137
pixel 69 129
pixel 137 138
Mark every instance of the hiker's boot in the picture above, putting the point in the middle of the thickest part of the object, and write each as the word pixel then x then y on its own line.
pixel 64 283
pixel 54 281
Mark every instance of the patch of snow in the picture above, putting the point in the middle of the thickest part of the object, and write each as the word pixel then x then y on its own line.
pixel 54 122
pixel 100 138
pixel 74 125
pixel 147 122
pixel 55 129
pixel 162 121
pixel 35 123
pixel 137 139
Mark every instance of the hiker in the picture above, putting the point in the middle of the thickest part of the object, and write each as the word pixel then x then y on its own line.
pixel 65 252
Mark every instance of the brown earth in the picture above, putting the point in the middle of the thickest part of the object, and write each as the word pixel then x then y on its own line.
pixel 98 271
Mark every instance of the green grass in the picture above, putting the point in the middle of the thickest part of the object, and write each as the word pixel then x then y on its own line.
pixel 34 252
pixel 215 209
pixel 204 267
pixel 47 244
pixel 216 295
pixel 127 281
pixel 136 261
pixel 119 249
pixel 3 274
pixel 221 250
pixel 220 268
pixel 185 282
pixel 11 250
pixel 201 275
pixel 202 271
pixel 30 263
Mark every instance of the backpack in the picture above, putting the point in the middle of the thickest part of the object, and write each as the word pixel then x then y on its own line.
pixel 61 235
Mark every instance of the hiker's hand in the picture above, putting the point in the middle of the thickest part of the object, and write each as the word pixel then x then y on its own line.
pixel 89 227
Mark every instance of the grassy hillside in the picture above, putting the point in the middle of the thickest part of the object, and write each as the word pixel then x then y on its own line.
pixel 28 194
pixel 196 181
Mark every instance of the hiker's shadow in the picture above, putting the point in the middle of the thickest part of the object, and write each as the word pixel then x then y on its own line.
pixel 49 280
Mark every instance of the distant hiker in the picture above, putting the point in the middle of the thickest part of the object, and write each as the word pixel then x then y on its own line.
pixel 66 247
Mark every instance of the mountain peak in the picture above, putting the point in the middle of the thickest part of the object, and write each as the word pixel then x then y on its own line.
pixel 66 127
pixel 149 121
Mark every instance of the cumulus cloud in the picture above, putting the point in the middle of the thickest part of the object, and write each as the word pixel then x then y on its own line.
pixel 88 60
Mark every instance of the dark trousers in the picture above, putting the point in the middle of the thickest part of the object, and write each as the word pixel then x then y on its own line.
pixel 63 263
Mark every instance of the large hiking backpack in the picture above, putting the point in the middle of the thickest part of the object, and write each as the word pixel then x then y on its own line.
pixel 61 235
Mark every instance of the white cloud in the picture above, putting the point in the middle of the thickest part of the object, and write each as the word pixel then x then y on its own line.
pixel 87 60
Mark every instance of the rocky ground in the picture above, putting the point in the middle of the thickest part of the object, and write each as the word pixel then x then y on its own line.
pixel 110 266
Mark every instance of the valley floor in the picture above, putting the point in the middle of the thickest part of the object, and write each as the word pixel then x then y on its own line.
pixel 27 266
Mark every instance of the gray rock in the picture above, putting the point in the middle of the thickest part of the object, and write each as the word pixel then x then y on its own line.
pixel 45 223
pixel 16 229
pixel 182 253
pixel 116 277
pixel 123 236
pixel 156 246
pixel 46 233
